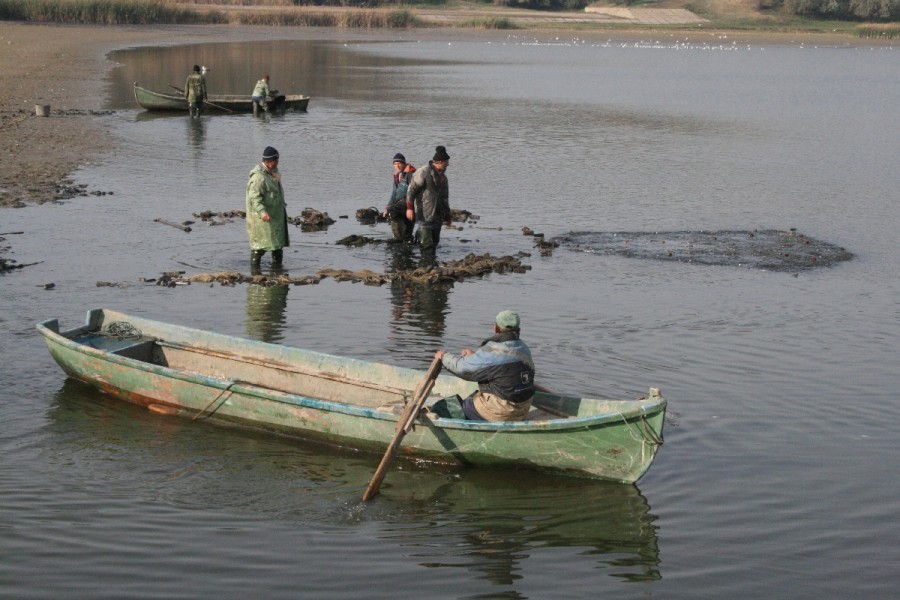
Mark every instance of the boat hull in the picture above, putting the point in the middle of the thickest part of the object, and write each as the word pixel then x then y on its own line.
pixel 347 402
pixel 217 103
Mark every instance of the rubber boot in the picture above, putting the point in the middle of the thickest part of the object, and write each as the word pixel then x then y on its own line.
pixel 256 256
pixel 277 256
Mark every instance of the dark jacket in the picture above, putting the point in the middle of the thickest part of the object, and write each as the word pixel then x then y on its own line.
pixel 396 206
pixel 429 193
pixel 502 366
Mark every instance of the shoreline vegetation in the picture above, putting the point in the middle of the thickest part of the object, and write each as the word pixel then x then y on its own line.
pixel 860 18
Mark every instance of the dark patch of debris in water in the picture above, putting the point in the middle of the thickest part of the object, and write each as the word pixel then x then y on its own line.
pixel 471 266
pixel 309 219
pixel 769 249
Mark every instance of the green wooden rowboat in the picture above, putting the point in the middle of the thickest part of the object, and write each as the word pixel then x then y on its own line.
pixel 227 380
pixel 220 103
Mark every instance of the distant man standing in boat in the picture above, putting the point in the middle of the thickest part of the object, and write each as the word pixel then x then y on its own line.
pixel 397 206
pixel 195 91
pixel 428 197
pixel 266 213
pixel 504 370
pixel 260 94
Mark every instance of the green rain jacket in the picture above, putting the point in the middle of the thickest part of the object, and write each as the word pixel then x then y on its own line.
pixel 266 196
pixel 195 88
pixel 262 89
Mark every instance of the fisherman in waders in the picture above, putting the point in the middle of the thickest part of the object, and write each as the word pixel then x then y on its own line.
pixel 396 209
pixel 429 197
pixel 195 91
pixel 266 213
pixel 261 94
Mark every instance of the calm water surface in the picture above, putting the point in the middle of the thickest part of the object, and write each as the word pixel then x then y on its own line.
pixel 778 477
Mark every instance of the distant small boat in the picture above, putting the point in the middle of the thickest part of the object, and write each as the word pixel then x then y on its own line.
pixel 220 103
pixel 347 402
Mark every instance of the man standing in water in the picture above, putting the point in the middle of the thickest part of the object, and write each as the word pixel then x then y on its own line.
pixel 428 197
pixel 261 94
pixel 195 91
pixel 266 213
pixel 401 226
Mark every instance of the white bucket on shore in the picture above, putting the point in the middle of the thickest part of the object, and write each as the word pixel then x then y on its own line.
pixel 42 110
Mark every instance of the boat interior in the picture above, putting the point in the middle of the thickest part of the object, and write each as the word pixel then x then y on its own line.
pixel 273 375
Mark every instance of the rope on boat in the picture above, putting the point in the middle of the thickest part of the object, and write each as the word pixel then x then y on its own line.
pixel 651 435
pixel 645 432
pixel 121 330
pixel 205 408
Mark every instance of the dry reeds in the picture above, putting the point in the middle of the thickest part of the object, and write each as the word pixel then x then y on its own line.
pixel 104 12
pixel 151 12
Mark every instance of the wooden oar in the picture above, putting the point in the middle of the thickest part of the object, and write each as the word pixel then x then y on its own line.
pixel 206 102
pixel 404 424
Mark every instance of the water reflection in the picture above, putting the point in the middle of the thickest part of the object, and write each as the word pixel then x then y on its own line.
pixel 415 307
pixel 266 312
pixel 504 517
pixel 196 135
pixel 296 66
pixel 487 521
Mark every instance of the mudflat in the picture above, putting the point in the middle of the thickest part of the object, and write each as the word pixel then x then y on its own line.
pixel 60 66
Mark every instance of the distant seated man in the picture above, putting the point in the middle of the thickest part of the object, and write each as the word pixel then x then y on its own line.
pixel 504 370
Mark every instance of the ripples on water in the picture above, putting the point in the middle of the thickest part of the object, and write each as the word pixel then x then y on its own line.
pixel 768 250
pixel 776 475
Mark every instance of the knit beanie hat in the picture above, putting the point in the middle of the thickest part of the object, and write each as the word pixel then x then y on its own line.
pixel 399 158
pixel 270 153
pixel 440 154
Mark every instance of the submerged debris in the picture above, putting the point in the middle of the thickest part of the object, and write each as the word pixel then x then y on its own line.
pixel 8 264
pixel 462 215
pixel 312 220
pixel 65 189
pixel 356 241
pixel 770 249
pixel 545 247
pixel 370 216
pixel 220 218
pixel 470 266
pixel 364 276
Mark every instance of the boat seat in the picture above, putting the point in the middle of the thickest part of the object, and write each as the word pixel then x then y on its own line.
pixel 448 408
pixel 132 348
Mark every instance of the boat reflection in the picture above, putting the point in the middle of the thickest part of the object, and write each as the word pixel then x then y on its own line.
pixel 489 521
pixel 495 520
pixel 266 312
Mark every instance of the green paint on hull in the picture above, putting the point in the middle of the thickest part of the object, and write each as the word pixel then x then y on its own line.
pixel 348 402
